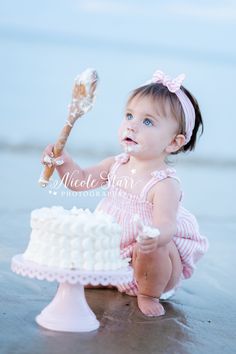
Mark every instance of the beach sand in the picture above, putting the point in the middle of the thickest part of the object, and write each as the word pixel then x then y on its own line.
pixel 200 318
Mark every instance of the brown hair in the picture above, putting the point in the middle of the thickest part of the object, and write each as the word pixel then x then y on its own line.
pixel 161 94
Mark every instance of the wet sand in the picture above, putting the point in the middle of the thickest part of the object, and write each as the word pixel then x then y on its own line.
pixel 200 318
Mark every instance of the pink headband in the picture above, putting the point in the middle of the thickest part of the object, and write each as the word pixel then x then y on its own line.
pixel 174 86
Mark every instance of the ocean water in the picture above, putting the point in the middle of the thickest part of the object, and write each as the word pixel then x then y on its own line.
pixel 45 44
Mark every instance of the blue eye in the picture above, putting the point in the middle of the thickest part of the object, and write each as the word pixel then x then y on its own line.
pixel 147 122
pixel 129 116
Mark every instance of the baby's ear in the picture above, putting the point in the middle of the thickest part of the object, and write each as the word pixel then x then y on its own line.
pixel 176 144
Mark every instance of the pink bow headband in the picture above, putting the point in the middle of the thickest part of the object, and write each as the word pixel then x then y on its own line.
pixel 174 85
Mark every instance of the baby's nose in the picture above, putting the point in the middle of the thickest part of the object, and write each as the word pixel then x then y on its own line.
pixel 132 125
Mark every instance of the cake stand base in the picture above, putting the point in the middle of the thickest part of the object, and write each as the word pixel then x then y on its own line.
pixel 68 311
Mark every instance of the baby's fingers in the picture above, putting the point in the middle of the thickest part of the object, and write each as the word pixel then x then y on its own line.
pixel 147 245
pixel 47 154
pixel 49 161
pixel 147 249
pixel 49 150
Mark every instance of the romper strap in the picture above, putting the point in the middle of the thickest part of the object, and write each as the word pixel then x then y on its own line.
pixel 157 176
pixel 119 160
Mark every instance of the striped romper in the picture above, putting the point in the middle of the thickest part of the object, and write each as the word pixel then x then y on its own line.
pixel 123 205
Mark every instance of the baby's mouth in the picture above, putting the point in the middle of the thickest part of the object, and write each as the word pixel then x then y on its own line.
pixel 128 140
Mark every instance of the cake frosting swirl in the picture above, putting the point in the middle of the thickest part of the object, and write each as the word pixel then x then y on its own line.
pixel 75 239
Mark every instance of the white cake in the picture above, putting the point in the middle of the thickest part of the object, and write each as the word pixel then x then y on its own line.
pixel 74 239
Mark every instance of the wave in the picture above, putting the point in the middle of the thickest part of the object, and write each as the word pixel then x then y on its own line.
pixel 102 152
pixel 31 148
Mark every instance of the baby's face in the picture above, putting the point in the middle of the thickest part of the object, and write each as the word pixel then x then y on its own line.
pixel 143 132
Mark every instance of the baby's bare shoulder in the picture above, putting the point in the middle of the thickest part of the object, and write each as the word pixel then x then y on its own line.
pixel 168 188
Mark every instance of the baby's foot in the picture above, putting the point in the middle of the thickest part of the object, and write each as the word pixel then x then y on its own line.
pixel 130 293
pixel 150 306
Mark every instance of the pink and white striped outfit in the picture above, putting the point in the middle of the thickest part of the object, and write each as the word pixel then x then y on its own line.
pixel 123 205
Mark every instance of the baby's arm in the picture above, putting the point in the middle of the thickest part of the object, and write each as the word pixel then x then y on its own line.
pixel 84 179
pixel 73 176
pixel 165 206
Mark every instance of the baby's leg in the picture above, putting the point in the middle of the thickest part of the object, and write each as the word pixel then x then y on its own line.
pixel 156 272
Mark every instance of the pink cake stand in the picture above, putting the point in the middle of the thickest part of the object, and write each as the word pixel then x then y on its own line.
pixel 69 310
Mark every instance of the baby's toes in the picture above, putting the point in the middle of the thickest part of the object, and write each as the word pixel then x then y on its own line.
pixel 150 306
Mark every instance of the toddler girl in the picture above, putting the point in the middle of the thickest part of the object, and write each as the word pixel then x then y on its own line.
pixel 161 118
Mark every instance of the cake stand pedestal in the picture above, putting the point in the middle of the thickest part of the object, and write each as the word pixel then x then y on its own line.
pixel 69 310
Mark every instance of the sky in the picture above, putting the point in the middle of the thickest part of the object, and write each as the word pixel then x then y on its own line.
pixel 45 44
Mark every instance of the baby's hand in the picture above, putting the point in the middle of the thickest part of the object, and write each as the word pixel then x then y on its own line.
pixel 147 245
pixel 48 159
pixel 148 237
